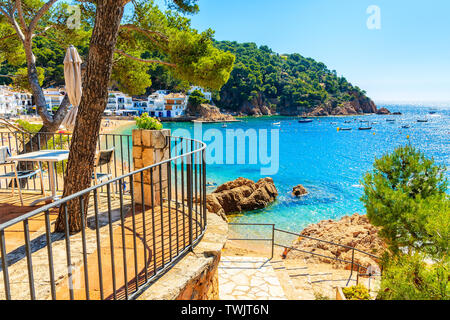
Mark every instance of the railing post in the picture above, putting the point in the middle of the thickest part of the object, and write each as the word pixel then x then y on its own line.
pixel 351 271
pixel 189 198
pixel 273 241
pixel 205 218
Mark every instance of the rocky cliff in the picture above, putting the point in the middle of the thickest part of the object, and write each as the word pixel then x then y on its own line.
pixel 360 104
pixel 207 112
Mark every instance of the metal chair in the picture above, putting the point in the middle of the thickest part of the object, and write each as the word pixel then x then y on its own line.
pixel 15 175
pixel 104 157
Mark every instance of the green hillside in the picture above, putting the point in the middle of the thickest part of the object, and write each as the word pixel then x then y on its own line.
pixel 264 81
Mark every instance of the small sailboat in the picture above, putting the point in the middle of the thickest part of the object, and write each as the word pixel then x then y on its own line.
pixel 305 120
pixel 422 120
pixel 368 127
pixel 345 129
pixel 224 125
pixel 406 126
pixel 347 121
pixel 277 124
pixel 390 120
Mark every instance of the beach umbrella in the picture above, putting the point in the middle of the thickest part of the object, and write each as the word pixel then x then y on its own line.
pixel 72 76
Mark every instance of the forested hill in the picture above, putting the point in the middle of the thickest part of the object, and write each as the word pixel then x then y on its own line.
pixel 265 82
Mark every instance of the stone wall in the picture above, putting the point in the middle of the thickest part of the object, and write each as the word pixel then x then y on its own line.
pixel 195 277
pixel 150 147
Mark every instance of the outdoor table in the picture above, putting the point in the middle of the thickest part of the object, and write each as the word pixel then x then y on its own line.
pixel 50 156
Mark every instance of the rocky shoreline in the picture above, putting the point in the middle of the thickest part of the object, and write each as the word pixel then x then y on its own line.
pixel 241 195
pixel 350 231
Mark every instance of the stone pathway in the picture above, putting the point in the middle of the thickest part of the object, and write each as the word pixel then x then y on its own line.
pixel 248 278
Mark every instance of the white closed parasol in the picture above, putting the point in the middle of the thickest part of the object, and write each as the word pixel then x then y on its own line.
pixel 72 76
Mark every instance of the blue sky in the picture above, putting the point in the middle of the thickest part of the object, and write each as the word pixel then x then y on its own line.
pixel 407 60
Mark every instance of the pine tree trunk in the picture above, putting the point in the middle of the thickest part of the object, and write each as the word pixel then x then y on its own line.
pixel 93 102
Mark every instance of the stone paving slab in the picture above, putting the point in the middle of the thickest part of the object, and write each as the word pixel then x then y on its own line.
pixel 248 278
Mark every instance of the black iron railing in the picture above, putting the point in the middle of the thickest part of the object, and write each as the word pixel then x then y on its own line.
pixel 353 264
pixel 124 246
pixel 18 142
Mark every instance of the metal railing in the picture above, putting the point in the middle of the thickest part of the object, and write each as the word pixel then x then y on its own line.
pixel 274 230
pixel 123 247
pixel 18 143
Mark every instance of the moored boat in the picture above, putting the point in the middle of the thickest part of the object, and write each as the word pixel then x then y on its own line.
pixel 368 127
pixel 305 120
pixel 422 120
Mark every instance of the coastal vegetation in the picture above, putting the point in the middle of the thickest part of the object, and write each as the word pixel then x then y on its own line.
pixel 405 195
pixel 145 122
pixel 358 292
pixel 263 82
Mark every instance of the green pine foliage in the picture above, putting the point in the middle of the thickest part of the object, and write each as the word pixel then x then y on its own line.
pixel 405 195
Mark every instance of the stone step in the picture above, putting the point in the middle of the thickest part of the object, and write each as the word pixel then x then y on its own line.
pixel 285 280
pixel 291 291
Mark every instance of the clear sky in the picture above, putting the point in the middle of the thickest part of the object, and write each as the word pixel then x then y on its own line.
pixel 408 59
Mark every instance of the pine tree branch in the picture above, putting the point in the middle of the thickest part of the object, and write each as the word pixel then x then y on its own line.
pixel 147 33
pixel 39 14
pixel 145 60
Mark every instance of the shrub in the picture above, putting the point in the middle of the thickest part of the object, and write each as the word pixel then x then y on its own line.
pixel 148 123
pixel 197 98
pixel 358 292
pixel 408 277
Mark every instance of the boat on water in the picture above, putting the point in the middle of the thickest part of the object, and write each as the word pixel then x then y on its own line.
pixel 345 129
pixel 305 120
pixel 277 124
pixel 348 121
pixel 406 126
pixel 390 120
pixel 422 120
pixel 367 127
pixel 224 126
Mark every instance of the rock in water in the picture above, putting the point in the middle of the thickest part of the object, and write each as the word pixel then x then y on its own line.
pixel 383 111
pixel 299 191
pixel 241 195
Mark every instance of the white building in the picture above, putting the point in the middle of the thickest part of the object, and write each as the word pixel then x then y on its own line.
pixel 53 98
pixel 13 103
pixel 207 94
pixel 119 103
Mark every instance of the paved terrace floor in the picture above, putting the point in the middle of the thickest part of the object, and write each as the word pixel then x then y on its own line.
pixel 127 254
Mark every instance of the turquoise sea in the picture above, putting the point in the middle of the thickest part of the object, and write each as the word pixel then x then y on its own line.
pixel 328 162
